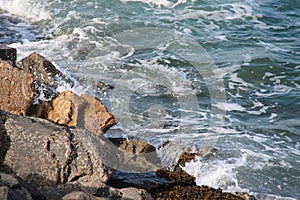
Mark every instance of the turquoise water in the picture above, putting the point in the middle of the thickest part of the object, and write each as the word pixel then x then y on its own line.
pixel 224 74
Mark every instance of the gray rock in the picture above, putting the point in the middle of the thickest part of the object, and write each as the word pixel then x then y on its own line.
pixel 134 194
pixel 13 187
pixel 43 153
pixel 81 196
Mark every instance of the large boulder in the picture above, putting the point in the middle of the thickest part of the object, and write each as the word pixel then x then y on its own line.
pixel 13 187
pixel 87 112
pixel 15 89
pixel 43 153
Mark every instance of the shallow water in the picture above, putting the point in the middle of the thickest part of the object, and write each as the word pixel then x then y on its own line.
pixel 198 73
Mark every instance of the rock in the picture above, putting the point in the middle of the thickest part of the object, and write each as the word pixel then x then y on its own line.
pixel 81 196
pixel 67 108
pixel 42 70
pixel 46 78
pixel 179 176
pixel 194 192
pixel 43 153
pixel 15 89
pixel 134 194
pixel 129 193
pixel 13 187
pixel 96 117
pixel 8 53
pixel 143 180
pixel 133 146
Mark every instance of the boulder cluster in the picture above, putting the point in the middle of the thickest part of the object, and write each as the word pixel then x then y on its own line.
pixel 53 144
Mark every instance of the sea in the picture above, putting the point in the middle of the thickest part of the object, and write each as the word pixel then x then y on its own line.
pixel 220 77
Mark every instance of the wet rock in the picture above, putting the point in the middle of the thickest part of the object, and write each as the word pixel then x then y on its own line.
pixel 133 146
pixel 194 192
pixel 71 110
pixel 8 53
pixel 13 187
pixel 143 180
pixel 178 175
pixel 42 70
pixel 15 89
pixel 43 153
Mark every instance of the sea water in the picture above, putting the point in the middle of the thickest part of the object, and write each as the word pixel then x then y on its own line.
pixel 211 74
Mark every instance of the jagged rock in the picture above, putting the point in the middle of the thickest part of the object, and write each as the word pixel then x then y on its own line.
pixel 194 192
pixel 8 53
pixel 42 70
pixel 133 146
pixel 65 109
pixel 96 117
pixel 15 89
pixel 46 78
pixel 85 111
pixel 43 153
pixel 13 187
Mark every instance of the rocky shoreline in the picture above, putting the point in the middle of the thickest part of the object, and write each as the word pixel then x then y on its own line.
pixel 52 144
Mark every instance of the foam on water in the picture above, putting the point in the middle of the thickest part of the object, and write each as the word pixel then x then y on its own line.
pixel 30 9
pixel 257 144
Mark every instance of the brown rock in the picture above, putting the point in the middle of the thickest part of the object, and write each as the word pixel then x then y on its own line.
pixel 43 153
pixel 85 111
pixel 65 109
pixel 15 89
pixel 8 53
pixel 194 192
pixel 42 70
pixel 96 117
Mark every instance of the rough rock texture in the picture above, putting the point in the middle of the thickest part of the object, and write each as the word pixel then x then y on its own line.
pixel 65 109
pixel 42 70
pixel 8 53
pixel 13 187
pixel 85 111
pixel 43 153
pixel 81 196
pixel 133 146
pixel 96 117
pixel 194 192
pixel 134 194
pixel 15 89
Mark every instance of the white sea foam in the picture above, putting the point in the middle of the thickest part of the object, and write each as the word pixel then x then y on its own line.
pixel 30 9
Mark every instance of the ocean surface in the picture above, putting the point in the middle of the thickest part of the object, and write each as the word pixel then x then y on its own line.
pixel 221 76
